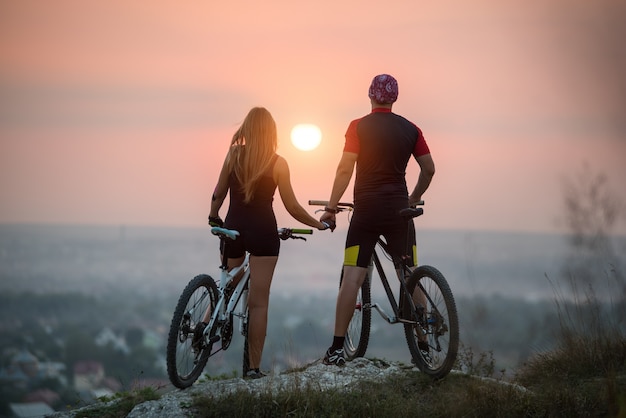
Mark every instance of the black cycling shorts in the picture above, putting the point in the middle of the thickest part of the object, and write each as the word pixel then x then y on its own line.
pixel 255 242
pixel 258 233
pixel 368 225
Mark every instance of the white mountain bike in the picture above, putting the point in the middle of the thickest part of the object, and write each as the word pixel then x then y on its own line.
pixel 190 344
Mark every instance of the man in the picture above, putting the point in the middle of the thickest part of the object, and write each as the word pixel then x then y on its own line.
pixel 380 145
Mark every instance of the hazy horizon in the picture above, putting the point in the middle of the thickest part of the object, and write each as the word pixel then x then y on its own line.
pixel 162 259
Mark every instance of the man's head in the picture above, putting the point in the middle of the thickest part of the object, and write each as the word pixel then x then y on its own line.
pixel 384 89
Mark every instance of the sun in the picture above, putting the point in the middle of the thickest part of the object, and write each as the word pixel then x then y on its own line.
pixel 306 136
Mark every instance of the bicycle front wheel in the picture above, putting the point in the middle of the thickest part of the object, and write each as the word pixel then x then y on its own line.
pixel 187 350
pixel 434 339
pixel 358 334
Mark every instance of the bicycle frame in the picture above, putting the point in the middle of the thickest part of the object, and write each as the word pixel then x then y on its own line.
pixel 383 278
pixel 227 304
pixel 224 307
pixel 402 272
pixel 206 311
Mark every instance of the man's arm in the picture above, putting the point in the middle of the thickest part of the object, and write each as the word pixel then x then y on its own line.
pixel 427 171
pixel 345 168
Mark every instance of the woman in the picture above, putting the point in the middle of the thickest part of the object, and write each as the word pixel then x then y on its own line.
pixel 251 172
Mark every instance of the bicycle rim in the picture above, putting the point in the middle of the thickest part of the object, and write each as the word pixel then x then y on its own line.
pixel 358 333
pixel 185 361
pixel 438 323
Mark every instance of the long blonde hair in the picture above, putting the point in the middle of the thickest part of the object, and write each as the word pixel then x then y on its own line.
pixel 252 148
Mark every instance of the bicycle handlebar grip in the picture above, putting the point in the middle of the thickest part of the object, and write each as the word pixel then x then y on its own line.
pixel 301 231
pixel 318 202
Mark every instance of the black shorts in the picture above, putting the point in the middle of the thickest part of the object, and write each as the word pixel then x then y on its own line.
pixel 367 225
pixel 258 235
pixel 261 245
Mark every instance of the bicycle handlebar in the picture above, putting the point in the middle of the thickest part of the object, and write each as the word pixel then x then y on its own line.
pixel 300 231
pixel 283 233
pixel 286 233
pixel 341 206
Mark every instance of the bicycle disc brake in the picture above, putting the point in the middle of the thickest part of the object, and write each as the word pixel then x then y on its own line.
pixel 185 331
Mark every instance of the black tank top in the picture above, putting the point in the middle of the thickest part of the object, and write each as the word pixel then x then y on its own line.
pixel 263 191
pixel 255 220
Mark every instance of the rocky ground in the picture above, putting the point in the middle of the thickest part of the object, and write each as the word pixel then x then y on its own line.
pixel 316 375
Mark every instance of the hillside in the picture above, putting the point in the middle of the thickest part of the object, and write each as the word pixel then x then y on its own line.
pixel 367 387
pixel 316 377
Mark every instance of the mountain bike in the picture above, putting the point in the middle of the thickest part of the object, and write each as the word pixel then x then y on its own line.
pixel 190 342
pixel 425 306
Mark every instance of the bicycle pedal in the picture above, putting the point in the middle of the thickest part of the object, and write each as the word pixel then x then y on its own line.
pixel 214 339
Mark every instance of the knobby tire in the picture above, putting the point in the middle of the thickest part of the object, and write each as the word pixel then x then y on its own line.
pixel 184 365
pixel 439 320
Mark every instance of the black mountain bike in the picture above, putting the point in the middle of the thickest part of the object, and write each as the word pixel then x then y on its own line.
pixel 425 306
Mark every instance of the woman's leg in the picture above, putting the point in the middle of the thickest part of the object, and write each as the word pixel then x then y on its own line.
pixel 261 273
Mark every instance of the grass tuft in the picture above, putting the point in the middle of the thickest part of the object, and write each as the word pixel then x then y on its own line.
pixel 118 405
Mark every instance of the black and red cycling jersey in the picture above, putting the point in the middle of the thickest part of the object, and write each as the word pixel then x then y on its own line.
pixel 384 142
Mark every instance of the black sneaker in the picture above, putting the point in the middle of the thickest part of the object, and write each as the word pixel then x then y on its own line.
pixel 334 358
pixel 254 374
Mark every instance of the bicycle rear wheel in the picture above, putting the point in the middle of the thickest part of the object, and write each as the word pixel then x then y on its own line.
pixel 186 356
pixel 437 322
pixel 358 334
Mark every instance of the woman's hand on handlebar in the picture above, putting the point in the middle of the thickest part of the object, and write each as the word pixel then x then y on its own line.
pixel 328 224
pixel 216 221
pixel 330 219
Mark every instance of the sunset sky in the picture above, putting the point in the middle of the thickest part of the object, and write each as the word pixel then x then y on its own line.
pixel 120 112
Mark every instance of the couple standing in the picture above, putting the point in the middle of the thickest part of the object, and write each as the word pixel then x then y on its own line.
pixel 379 145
